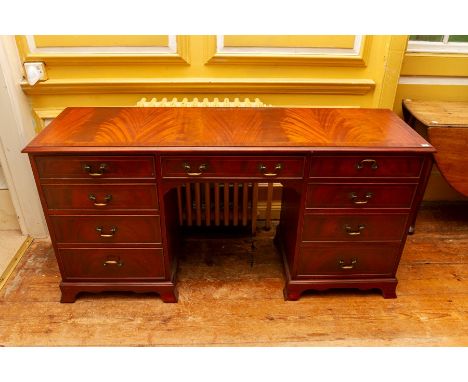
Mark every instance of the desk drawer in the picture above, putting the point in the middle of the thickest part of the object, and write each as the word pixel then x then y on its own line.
pixel 106 229
pixel 232 167
pixel 118 263
pixel 95 167
pixel 360 195
pixel 372 166
pixel 354 227
pixel 348 260
pixel 101 197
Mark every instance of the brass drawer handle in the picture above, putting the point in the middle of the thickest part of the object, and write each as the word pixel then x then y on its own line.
pixel 356 200
pixel 201 168
pixel 100 230
pixel 119 263
pixel 100 172
pixel 372 162
pixel 357 232
pixel 342 265
pixel 263 168
pixel 107 199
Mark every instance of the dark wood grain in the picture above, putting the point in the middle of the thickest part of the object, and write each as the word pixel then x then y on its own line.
pixel 323 260
pixel 360 195
pixel 233 167
pixel 88 197
pixel 368 165
pixel 445 125
pixel 345 226
pixel 112 263
pixel 129 229
pixel 115 167
pixel 451 156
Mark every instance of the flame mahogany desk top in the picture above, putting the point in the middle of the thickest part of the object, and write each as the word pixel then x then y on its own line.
pixel 227 129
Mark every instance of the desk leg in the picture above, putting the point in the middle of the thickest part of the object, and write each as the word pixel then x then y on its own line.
pixel 290 295
pixel 68 294
pixel 170 297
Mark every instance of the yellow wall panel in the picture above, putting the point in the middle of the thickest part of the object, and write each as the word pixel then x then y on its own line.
pixel 110 56
pixel 55 41
pixel 120 80
pixel 425 64
pixel 291 41
pixel 218 54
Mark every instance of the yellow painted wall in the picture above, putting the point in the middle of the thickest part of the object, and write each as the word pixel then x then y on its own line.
pixel 432 65
pixel 199 69
pixel 57 41
pixel 302 41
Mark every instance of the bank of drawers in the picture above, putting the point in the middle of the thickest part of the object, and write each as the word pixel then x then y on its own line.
pixel 103 213
pixel 356 215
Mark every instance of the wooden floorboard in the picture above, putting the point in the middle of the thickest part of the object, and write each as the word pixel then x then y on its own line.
pixel 231 295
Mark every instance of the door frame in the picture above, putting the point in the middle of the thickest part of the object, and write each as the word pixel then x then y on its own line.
pixel 16 130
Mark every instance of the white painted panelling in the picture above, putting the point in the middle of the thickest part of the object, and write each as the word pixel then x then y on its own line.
pixel 290 51
pixel 8 217
pixel 3 183
pixel 437 47
pixel 47 121
pixel 16 130
pixel 171 48
pixel 429 80
pixel 11 240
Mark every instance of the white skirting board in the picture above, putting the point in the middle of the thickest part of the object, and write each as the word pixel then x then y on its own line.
pixel 12 242
pixel 8 217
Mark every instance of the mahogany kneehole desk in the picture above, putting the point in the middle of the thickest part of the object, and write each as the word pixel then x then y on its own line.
pixel 352 183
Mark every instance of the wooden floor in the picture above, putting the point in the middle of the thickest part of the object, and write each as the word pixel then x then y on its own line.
pixel 227 300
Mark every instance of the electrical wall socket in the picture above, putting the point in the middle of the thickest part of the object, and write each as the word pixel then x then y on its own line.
pixel 35 71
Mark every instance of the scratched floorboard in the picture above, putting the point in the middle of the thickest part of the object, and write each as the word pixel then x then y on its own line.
pixel 227 301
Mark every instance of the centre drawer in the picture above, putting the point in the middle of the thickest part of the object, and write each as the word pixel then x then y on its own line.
pixel 232 167
pixel 95 167
pixel 354 227
pixel 106 229
pixel 118 263
pixel 367 165
pixel 360 195
pixel 101 197
pixel 348 260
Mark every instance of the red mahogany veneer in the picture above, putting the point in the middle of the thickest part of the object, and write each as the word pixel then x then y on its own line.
pixel 352 183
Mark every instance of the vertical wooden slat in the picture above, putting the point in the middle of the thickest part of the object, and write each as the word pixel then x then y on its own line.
pixel 216 200
pixel 179 204
pixel 226 204
pixel 254 207
pixel 207 205
pixel 268 206
pixel 235 207
pixel 245 203
pixel 188 204
pixel 197 204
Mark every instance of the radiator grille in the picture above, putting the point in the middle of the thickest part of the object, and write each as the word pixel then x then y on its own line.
pixel 218 204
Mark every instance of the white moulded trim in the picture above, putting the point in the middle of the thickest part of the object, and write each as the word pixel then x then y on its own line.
pixel 429 80
pixel 290 51
pixel 171 48
pixel 437 47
